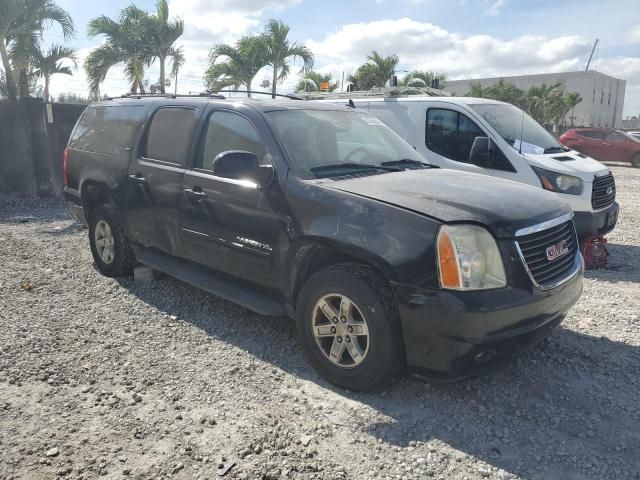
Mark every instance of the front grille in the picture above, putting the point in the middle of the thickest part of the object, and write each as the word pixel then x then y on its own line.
pixel 604 192
pixel 535 248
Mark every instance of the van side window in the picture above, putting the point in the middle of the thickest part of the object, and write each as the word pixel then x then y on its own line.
pixel 227 131
pixel 169 134
pixel 595 134
pixel 107 130
pixel 451 134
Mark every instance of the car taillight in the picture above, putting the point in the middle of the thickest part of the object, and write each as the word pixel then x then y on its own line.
pixel 65 159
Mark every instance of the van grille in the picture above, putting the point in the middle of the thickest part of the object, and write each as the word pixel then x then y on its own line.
pixel 604 192
pixel 543 254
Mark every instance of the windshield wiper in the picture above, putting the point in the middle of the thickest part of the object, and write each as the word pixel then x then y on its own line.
pixel 353 166
pixel 408 162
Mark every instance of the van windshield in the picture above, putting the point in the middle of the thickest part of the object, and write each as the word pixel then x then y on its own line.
pixel 327 143
pixel 520 130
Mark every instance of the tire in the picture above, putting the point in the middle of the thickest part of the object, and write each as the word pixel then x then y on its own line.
pixel 635 160
pixel 122 260
pixel 382 350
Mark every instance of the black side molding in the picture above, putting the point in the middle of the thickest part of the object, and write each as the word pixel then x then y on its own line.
pixel 217 283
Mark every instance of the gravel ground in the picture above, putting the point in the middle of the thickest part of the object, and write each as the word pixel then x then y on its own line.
pixel 113 378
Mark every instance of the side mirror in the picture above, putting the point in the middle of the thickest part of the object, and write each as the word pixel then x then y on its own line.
pixel 242 165
pixel 480 152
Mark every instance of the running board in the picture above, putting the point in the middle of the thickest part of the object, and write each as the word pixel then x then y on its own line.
pixel 217 283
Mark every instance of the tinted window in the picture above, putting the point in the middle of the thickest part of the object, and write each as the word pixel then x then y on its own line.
pixel 451 134
pixel 107 130
pixel 169 134
pixel 616 137
pixel 591 134
pixel 228 131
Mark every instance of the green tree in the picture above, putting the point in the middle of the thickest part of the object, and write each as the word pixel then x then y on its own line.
pixel 125 44
pixel 424 78
pixel 572 99
pixel 22 24
pixel 312 80
pixel 364 78
pixel 376 72
pixel 239 65
pixel 538 102
pixel 280 50
pixel 51 63
pixel 71 97
pixel 160 36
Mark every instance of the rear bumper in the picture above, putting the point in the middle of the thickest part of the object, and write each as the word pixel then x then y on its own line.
pixel 74 204
pixel 596 223
pixel 454 335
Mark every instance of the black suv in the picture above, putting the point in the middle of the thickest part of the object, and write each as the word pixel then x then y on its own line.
pixel 324 214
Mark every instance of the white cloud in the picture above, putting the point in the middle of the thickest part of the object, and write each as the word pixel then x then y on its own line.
pixel 495 7
pixel 633 35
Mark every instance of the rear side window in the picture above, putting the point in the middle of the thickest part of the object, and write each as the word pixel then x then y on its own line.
pixel 169 134
pixel 451 134
pixel 227 131
pixel 616 137
pixel 107 130
pixel 591 134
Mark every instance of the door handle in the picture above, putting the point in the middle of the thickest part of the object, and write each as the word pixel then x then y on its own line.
pixel 137 179
pixel 195 193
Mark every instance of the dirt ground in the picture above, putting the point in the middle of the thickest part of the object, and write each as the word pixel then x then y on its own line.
pixel 119 379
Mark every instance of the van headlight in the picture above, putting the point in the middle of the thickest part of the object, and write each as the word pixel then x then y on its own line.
pixel 558 182
pixel 469 259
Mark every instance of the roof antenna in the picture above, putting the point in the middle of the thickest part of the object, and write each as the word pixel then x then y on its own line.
pixel 351 104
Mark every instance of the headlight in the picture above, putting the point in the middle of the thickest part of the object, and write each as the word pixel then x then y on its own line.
pixel 469 259
pixel 557 182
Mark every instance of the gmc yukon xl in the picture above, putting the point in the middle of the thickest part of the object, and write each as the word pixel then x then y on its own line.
pixel 324 214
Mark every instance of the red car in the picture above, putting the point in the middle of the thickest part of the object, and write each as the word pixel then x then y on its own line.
pixel 604 144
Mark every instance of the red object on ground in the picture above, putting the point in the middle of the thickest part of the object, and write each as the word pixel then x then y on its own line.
pixel 594 251
pixel 603 144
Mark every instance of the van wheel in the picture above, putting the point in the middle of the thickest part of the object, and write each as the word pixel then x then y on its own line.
pixel 349 328
pixel 635 161
pixel 109 244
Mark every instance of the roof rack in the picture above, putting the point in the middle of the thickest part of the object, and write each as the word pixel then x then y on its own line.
pixel 167 95
pixel 289 96
pixel 386 92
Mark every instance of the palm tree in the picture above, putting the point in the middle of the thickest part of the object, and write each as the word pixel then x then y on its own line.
pixel 125 44
pixel 22 23
pixel 383 67
pixel 241 63
pixel 161 34
pixel 572 100
pixel 312 81
pixel 423 78
pixel 49 64
pixel 279 50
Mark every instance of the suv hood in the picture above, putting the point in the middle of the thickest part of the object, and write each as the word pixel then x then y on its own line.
pixel 570 163
pixel 453 196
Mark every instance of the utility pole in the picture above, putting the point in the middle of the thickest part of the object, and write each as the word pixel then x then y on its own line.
pixel 591 56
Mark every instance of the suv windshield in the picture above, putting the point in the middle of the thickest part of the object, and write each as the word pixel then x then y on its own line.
pixel 324 143
pixel 520 130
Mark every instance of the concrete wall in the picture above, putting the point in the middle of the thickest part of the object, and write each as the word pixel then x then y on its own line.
pixel 602 96
pixel 32 140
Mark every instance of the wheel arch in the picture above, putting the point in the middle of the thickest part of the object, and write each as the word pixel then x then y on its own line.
pixel 93 194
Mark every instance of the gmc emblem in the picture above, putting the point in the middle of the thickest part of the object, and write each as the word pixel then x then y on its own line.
pixel 556 251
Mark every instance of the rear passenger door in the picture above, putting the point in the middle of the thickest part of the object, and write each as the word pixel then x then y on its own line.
pixel 155 178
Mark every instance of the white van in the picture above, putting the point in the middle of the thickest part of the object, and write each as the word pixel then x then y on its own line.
pixel 498 139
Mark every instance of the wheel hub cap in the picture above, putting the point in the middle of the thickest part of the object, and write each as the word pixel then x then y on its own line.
pixel 340 330
pixel 104 242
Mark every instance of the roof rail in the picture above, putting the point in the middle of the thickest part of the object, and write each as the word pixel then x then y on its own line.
pixel 386 92
pixel 289 96
pixel 168 95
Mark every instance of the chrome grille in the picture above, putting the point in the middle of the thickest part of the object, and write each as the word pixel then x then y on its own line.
pixel 539 247
pixel 604 192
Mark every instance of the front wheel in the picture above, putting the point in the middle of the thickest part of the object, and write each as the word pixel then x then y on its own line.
pixel 109 244
pixel 349 328
pixel 635 161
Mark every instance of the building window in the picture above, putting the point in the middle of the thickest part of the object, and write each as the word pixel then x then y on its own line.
pixel 609 101
pixel 602 97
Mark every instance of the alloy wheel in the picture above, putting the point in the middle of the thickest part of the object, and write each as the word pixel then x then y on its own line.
pixel 104 240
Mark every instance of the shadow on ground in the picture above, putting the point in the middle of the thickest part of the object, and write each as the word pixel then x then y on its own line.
pixel 557 411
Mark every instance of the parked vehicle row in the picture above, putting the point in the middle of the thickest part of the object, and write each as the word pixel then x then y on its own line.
pixel 494 138
pixel 322 213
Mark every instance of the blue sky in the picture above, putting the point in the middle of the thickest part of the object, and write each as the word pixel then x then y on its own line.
pixel 463 38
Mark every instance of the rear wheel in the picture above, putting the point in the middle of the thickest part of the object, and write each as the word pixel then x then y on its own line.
pixel 349 327
pixel 109 244
pixel 635 160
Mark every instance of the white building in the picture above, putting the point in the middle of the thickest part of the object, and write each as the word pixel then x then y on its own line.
pixel 602 95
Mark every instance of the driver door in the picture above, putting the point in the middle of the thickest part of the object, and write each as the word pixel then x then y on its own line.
pixel 229 224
